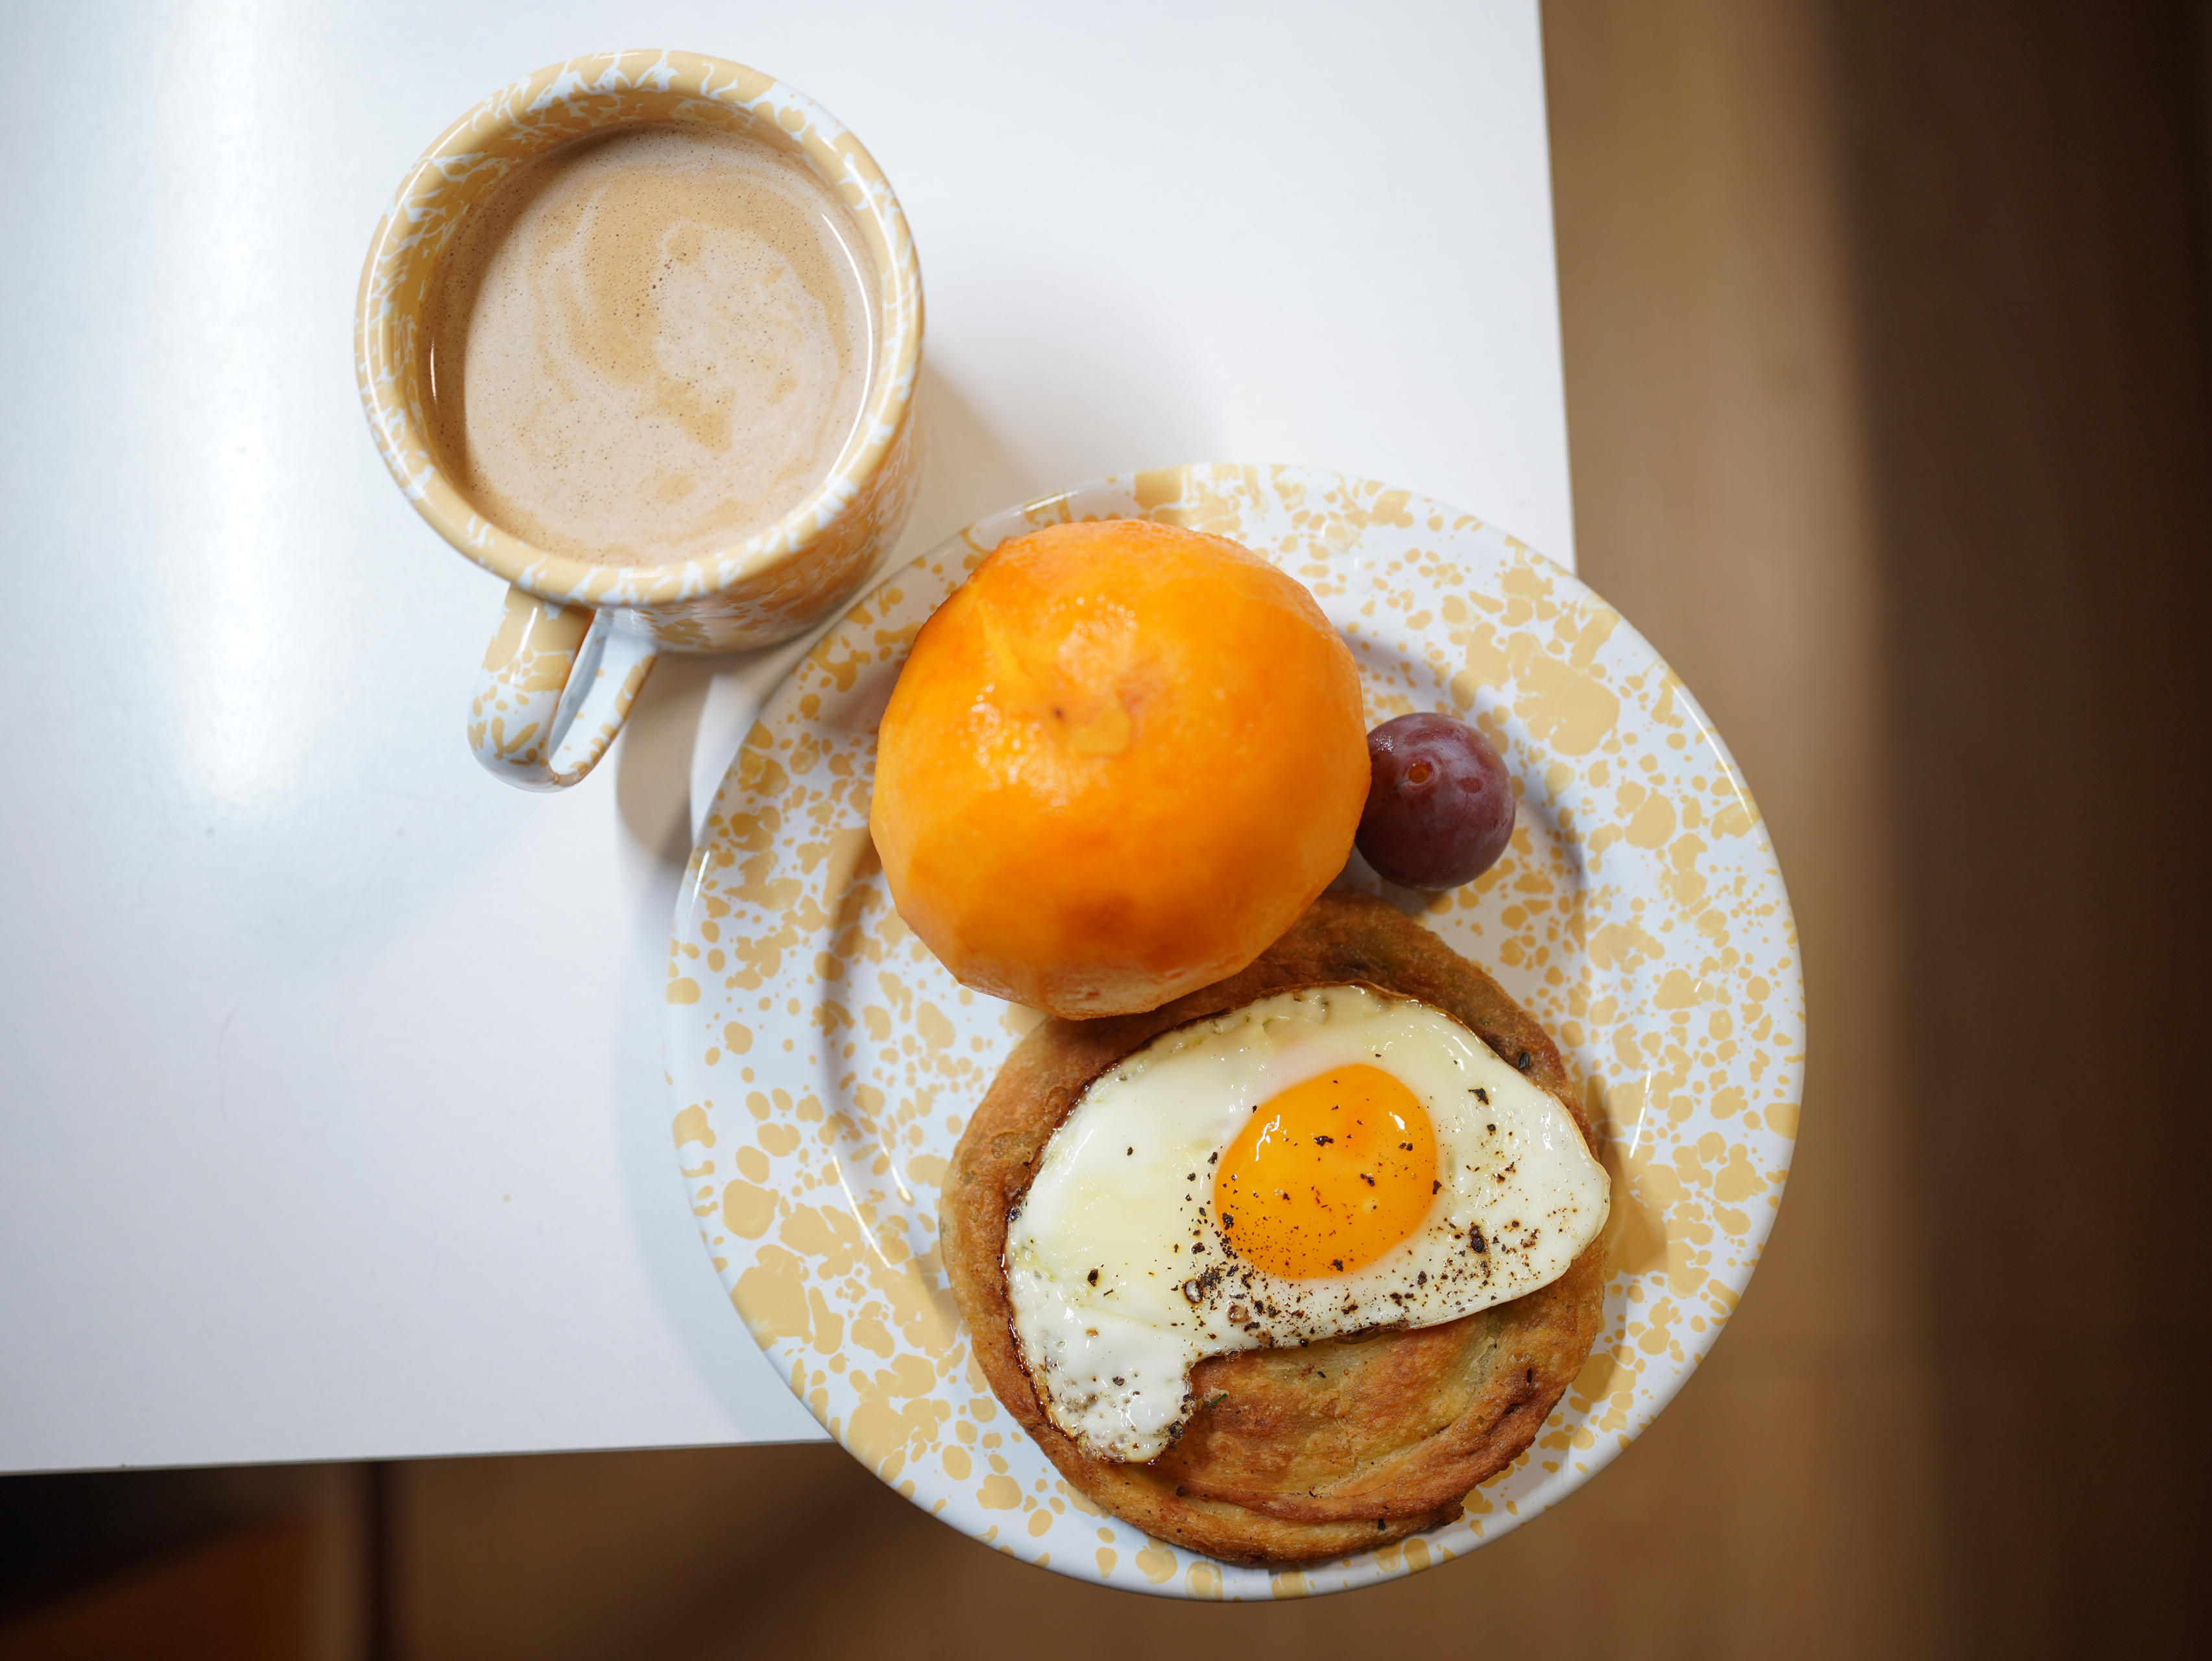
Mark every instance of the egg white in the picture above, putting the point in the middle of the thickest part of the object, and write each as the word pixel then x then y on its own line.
pixel 1119 1276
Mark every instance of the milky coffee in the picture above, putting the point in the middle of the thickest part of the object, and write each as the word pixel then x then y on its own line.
pixel 649 344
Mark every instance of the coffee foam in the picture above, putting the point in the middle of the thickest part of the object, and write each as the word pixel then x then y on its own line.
pixel 648 344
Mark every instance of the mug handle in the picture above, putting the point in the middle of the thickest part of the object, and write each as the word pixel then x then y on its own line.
pixel 556 682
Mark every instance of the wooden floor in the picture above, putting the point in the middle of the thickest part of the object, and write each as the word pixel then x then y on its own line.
pixel 1890 392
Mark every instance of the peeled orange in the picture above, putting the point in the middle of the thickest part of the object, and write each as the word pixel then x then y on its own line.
pixel 1120 759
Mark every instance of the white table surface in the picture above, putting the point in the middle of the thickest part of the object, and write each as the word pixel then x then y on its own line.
pixel 286 1171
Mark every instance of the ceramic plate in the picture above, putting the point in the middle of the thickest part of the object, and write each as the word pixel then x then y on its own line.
pixel 823 1064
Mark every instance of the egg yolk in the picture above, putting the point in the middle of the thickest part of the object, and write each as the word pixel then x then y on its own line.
pixel 1327 1175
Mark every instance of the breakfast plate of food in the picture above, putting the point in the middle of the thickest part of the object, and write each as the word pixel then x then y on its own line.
pixel 1251 1055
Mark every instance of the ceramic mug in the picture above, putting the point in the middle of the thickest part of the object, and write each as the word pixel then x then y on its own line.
pixel 574 639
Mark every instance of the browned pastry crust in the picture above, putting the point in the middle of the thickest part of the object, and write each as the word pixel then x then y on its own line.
pixel 1295 1454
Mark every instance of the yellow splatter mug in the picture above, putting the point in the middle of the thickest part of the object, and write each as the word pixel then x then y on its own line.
pixel 576 639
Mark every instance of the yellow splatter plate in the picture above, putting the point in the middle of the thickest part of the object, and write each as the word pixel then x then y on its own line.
pixel 823 1063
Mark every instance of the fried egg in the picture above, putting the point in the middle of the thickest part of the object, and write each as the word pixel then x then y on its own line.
pixel 1317 1163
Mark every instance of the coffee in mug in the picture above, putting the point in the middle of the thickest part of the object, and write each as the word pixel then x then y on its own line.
pixel 649 344
pixel 641 334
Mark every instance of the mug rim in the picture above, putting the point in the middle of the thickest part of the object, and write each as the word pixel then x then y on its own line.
pixel 386 323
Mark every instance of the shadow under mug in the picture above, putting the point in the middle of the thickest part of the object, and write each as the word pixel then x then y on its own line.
pixel 576 641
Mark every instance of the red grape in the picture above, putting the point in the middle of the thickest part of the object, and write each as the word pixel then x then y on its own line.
pixel 1439 803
